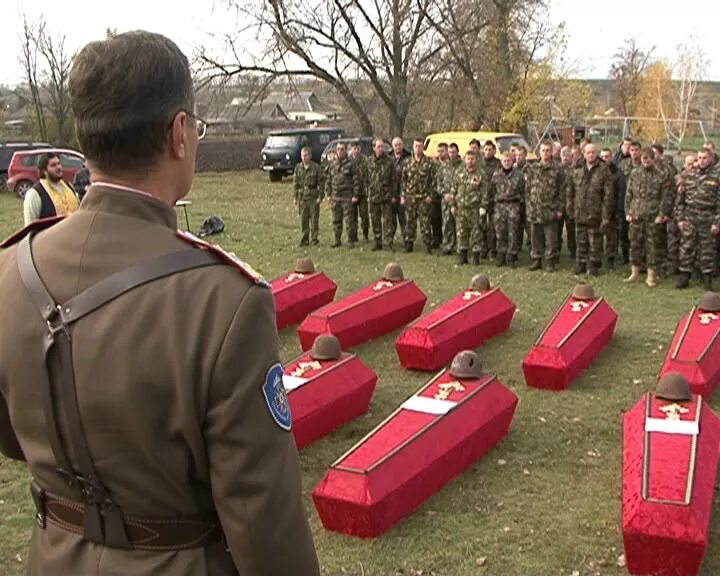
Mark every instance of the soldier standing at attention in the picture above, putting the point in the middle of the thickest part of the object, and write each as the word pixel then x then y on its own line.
pixel 381 178
pixel 361 208
pixel 489 165
pixel 145 383
pixel 309 183
pixel 445 176
pixel 612 236
pixel 469 207
pixel 544 184
pixel 416 195
pixel 522 165
pixel 698 215
pixel 343 188
pixel 507 188
pixel 623 160
pixel 567 221
pixel 399 157
pixel 590 204
pixel 667 167
pixel 648 203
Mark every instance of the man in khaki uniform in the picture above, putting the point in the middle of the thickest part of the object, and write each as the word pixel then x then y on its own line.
pixel 167 427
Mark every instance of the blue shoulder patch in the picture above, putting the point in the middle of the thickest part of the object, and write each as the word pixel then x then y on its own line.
pixel 276 398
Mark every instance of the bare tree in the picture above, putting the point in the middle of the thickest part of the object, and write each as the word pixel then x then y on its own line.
pixel 386 45
pixel 57 70
pixel 626 73
pixel 29 59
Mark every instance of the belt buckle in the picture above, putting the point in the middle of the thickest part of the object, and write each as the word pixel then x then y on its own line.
pixel 39 499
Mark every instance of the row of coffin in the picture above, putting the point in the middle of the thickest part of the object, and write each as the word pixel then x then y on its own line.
pixel 457 416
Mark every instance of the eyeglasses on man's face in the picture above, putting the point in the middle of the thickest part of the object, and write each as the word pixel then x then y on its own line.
pixel 200 124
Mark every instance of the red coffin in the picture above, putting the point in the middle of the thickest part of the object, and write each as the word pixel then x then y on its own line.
pixel 578 332
pixel 325 394
pixel 413 454
pixel 668 482
pixel 695 351
pixel 463 323
pixel 296 295
pixel 372 311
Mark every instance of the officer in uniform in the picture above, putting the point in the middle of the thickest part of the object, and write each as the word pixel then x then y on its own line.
pixel 361 207
pixel 309 183
pixel 469 206
pixel 343 189
pixel 141 365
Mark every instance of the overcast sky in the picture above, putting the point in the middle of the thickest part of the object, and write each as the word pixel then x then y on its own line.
pixel 595 29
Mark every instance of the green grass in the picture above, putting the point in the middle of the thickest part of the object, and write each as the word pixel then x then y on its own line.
pixel 552 508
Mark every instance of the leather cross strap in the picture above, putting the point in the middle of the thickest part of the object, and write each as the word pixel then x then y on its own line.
pixel 103 521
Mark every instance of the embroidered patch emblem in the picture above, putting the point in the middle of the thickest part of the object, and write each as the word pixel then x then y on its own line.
pixel 276 398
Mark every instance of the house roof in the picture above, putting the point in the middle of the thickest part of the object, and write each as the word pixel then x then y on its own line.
pixel 297 101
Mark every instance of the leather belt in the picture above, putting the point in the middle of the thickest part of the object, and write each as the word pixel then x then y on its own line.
pixel 142 533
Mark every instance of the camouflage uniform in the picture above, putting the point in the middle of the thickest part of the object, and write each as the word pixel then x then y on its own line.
pixel 445 174
pixel 647 197
pixel 590 203
pixel 489 166
pixel 419 190
pixel 612 234
pixel 673 232
pixel 698 206
pixel 524 227
pixel 667 167
pixel 381 179
pixel 398 209
pixel 361 207
pixel 567 222
pixel 544 186
pixel 625 165
pixel 507 190
pixel 342 185
pixel 309 183
pixel 468 201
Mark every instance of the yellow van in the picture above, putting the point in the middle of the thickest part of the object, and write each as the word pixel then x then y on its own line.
pixel 503 141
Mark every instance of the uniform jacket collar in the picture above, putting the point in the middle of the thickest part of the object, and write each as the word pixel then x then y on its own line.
pixel 100 198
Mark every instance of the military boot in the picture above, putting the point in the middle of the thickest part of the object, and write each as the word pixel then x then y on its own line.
pixel 707 282
pixel 683 281
pixel 462 257
pixel 651 278
pixel 408 247
pixel 500 260
pixel 476 258
pixel 634 275
pixel 550 265
pixel 580 268
pixel 512 261
pixel 536 265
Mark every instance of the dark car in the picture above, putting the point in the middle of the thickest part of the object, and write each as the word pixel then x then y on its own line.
pixel 6 153
pixel 281 152
pixel 366 147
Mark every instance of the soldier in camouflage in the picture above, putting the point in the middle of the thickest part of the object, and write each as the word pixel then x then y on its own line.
pixel 361 208
pixel 381 177
pixel 522 165
pixel 648 205
pixel 590 204
pixel 672 227
pixel 399 158
pixel 417 192
pixel 309 184
pixel 447 167
pixel 567 221
pixel 544 186
pixel 667 167
pixel 342 187
pixel 698 215
pixel 629 150
pixel 490 165
pixel 612 236
pixel 469 206
pixel 507 188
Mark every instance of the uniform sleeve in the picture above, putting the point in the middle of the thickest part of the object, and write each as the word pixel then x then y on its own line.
pixel 9 445
pixel 680 200
pixel 630 193
pixel 666 196
pixel 296 182
pixel 559 193
pixel 608 195
pixel 322 175
pixel 328 181
pixel 570 200
pixel 254 465
pixel 32 206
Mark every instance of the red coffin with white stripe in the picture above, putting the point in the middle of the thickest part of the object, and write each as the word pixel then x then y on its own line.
pixel 366 314
pixel 462 323
pixel 429 439
pixel 297 294
pixel 670 458
pixel 326 394
pixel 695 351
pixel 578 332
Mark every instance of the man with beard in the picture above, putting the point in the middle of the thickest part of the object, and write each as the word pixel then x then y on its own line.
pixel 50 195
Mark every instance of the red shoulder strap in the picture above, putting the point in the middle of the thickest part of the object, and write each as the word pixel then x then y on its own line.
pixel 34 226
pixel 228 257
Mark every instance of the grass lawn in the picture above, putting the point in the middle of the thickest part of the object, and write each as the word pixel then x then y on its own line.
pixel 546 501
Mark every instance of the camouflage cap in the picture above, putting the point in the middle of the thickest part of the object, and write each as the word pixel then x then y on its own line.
pixel 393 272
pixel 304 266
pixel 480 283
pixel 673 386
pixel 326 347
pixel 583 292
pixel 466 364
pixel 710 302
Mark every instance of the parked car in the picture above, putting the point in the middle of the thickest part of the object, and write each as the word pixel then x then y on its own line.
pixel 23 172
pixel 7 150
pixel 503 141
pixel 366 147
pixel 281 152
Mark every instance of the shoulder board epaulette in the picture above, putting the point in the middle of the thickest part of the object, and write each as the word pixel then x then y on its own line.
pixel 34 226
pixel 227 257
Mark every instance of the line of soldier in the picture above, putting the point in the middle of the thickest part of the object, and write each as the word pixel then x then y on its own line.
pixel 632 205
